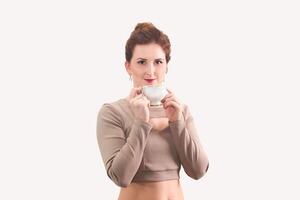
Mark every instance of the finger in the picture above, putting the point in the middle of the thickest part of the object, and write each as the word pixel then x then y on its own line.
pixel 167 96
pixel 147 101
pixel 170 91
pixel 142 100
pixel 139 91
pixel 135 91
pixel 170 97
pixel 134 99
pixel 172 104
pixel 140 97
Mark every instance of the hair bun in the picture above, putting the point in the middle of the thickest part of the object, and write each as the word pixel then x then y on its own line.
pixel 143 26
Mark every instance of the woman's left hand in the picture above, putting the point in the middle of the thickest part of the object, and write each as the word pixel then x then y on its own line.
pixel 172 106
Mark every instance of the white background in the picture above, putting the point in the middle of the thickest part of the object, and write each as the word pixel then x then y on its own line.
pixel 235 63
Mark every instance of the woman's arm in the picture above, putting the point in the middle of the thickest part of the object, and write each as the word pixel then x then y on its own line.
pixel 122 156
pixel 188 146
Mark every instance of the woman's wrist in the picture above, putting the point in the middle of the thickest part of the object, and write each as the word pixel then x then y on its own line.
pixel 179 118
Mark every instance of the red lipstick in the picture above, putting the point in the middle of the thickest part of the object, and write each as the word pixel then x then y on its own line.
pixel 150 80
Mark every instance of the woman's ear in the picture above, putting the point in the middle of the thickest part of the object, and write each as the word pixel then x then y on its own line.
pixel 127 66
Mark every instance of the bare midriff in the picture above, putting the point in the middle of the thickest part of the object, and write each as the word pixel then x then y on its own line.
pixel 160 190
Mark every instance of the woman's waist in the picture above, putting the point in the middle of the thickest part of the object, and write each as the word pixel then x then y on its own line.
pixel 158 190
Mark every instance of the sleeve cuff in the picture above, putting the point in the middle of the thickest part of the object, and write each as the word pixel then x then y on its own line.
pixel 176 123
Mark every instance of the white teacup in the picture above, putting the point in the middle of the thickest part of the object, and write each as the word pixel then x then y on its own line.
pixel 155 93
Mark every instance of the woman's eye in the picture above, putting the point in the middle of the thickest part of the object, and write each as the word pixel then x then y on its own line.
pixel 158 62
pixel 141 62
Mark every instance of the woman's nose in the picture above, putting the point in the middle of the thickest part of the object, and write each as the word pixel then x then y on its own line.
pixel 150 68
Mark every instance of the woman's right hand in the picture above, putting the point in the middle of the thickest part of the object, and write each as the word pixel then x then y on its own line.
pixel 139 104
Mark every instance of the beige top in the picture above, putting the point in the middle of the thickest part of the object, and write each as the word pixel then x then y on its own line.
pixel 132 151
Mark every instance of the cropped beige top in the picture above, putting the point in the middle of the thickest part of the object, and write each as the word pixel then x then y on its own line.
pixel 133 151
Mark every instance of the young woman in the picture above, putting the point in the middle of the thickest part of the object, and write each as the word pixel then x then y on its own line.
pixel 144 147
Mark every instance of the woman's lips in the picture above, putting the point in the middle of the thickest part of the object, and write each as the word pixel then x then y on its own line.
pixel 150 80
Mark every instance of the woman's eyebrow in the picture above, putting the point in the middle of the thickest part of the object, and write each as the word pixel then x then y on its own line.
pixel 141 59
pixel 154 59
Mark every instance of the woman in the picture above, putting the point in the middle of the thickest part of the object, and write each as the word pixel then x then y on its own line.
pixel 144 147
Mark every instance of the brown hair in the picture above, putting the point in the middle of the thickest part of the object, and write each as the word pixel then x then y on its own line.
pixel 146 33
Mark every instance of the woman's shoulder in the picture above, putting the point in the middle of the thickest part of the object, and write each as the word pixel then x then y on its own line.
pixel 113 103
pixel 115 108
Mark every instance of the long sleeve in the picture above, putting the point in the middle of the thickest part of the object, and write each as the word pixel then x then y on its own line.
pixel 122 156
pixel 191 153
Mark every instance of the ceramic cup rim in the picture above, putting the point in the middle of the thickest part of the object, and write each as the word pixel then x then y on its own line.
pixel 162 84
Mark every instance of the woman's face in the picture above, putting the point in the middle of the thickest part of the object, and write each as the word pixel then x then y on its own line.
pixel 148 65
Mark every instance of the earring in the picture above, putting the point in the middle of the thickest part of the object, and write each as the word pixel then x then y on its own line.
pixel 130 77
pixel 167 70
